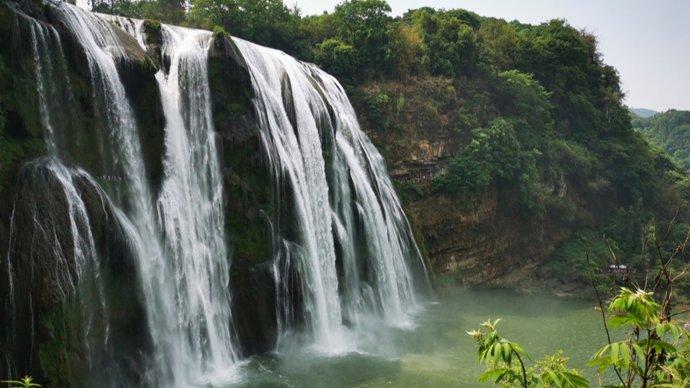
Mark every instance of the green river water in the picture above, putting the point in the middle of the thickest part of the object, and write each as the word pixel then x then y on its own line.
pixel 436 352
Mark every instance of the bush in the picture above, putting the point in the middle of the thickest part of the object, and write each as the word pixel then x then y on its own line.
pixel 336 56
pixel 363 24
pixel 463 174
pixel 493 156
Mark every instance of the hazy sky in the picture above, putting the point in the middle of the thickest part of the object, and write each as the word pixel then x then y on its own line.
pixel 647 41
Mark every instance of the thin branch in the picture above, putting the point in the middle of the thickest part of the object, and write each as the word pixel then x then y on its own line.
pixel 522 365
pixel 670 224
pixel 664 264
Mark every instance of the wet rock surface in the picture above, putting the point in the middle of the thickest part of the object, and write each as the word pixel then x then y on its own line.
pixel 60 290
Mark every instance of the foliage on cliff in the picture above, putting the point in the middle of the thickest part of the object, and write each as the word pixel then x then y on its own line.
pixel 669 131
pixel 528 115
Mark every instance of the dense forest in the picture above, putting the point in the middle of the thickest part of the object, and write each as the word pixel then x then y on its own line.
pixel 669 131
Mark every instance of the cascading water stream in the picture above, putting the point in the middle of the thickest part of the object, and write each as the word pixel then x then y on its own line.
pixel 185 274
pixel 102 48
pixel 297 154
pixel 81 271
pixel 301 110
pixel 389 237
pixel 191 210
pixel 193 325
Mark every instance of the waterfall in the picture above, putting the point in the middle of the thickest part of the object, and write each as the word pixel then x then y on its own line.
pixel 304 114
pixel 45 41
pixel 347 239
pixel 191 210
pixel 101 44
pixel 295 150
pixel 184 263
pixel 390 241
pixel 102 48
pixel 50 68
pixel 76 259
pixel 180 242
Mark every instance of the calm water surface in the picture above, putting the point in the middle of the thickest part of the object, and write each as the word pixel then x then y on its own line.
pixel 436 351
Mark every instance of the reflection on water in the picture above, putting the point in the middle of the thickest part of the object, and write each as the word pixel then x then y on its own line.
pixel 437 352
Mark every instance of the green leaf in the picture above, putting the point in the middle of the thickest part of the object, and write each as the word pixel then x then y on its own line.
pixel 614 352
pixel 625 354
pixel 491 374
pixel 554 378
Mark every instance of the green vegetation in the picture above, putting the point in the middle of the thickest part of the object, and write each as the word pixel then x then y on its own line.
pixel 18 140
pixel 645 345
pixel 25 382
pixel 530 113
pixel 506 363
pixel 642 112
pixel 654 350
pixel 669 131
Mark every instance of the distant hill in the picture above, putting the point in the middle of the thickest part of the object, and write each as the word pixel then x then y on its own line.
pixel 643 112
pixel 670 131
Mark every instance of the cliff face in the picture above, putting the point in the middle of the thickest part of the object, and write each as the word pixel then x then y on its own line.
pixel 70 296
pixel 54 310
pixel 466 241
pixel 421 124
pixel 479 246
pixel 46 296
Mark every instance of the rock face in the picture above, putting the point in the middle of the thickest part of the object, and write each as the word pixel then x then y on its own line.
pixel 466 242
pixel 69 286
pixel 71 272
pixel 77 115
pixel 249 200
pixel 480 245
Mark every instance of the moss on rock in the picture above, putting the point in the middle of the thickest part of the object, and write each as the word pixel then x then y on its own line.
pixel 250 198
pixel 65 307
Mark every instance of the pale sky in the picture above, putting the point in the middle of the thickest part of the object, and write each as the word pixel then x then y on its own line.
pixel 647 41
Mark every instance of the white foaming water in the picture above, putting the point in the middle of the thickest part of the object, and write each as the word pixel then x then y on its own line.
pixel 49 67
pixel 193 326
pixel 364 212
pixel 296 154
pixel 47 53
pixel 191 210
pixel 102 48
pixel 390 243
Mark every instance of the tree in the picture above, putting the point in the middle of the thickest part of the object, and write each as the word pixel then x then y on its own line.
pixel 452 47
pixel 404 48
pixel 266 22
pixel 523 97
pixel 363 24
pixel 168 11
pixel 650 349
pixel 336 56
pixel 500 42
pixel 670 131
